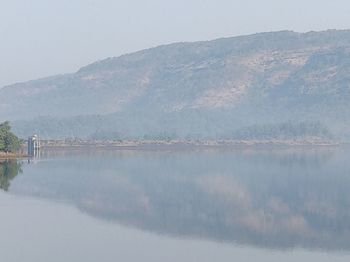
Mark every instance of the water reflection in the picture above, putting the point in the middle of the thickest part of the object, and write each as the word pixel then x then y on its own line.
pixel 9 169
pixel 268 198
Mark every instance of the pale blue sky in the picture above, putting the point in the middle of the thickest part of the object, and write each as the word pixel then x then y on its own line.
pixel 44 37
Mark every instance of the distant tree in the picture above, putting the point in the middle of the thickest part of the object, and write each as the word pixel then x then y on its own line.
pixel 9 142
pixel 287 130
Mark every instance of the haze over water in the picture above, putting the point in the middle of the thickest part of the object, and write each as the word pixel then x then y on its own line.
pixel 278 204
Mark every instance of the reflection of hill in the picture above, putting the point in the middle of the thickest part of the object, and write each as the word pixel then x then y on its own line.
pixel 9 169
pixel 264 198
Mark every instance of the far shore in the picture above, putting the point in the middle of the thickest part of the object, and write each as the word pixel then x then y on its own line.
pixel 182 143
pixel 169 144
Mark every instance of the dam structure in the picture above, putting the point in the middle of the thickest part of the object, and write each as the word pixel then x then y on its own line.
pixel 33 145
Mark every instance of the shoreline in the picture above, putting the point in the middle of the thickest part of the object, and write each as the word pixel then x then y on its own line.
pixel 4 156
pixel 172 145
pixel 129 144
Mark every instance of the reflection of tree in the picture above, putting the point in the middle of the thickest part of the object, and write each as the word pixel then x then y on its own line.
pixel 9 169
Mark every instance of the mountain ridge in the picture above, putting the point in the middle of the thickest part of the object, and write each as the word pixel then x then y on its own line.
pixel 264 78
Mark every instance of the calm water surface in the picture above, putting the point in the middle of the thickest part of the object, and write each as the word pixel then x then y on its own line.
pixel 253 204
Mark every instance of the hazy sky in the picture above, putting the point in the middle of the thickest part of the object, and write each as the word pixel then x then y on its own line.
pixel 44 37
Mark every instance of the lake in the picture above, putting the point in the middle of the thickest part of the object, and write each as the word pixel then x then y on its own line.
pixel 177 204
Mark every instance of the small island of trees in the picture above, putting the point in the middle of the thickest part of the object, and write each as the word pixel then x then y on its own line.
pixel 9 142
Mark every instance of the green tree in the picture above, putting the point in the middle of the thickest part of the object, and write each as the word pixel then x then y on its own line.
pixel 9 142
